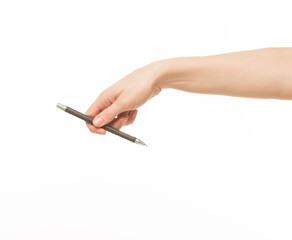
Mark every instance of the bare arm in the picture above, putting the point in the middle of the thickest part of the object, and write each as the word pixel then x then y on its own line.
pixel 263 73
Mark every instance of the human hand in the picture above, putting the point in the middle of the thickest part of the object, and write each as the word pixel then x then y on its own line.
pixel 117 105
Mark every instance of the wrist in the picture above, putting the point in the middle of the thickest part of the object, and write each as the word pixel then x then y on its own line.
pixel 176 73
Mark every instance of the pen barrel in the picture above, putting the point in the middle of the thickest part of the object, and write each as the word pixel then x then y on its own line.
pixel 79 115
pixel 106 127
pixel 119 133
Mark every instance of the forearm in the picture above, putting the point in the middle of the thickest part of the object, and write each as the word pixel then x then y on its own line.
pixel 263 73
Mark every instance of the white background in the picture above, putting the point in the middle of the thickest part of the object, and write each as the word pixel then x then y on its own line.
pixel 216 167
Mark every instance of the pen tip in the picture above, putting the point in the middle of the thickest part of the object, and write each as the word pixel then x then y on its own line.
pixel 140 142
pixel 61 106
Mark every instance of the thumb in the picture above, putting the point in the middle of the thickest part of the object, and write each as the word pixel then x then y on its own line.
pixel 108 114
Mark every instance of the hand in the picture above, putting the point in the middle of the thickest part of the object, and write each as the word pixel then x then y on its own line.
pixel 117 105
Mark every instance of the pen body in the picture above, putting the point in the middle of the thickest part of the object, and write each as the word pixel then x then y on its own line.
pixel 106 127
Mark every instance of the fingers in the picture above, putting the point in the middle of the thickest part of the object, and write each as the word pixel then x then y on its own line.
pixel 95 108
pixel 120 121
pixel 132 116
pixel 104 100
pixel 108 114
pixel 124 119
pixel 100 104
pixel 94 129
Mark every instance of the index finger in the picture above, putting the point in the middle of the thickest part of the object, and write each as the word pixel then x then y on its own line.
pixel 94 109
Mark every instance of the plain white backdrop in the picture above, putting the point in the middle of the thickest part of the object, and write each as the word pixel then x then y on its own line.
pixel 216 167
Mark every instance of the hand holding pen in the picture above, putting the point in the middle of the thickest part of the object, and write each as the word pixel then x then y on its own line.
pixel 117 105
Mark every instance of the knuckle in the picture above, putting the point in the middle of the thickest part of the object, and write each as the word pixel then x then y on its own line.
pixel 124 103
pixel 102 94
pixel 123 119
pixel 91 129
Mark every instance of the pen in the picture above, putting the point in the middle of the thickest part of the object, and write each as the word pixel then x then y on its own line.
pixel 106 127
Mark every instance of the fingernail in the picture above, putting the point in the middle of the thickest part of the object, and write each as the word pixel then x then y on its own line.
pixel 97 121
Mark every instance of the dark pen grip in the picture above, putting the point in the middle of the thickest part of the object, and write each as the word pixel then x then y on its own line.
pixel 106 127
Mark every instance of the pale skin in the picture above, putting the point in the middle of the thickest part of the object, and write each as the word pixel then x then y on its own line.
pixel 262 73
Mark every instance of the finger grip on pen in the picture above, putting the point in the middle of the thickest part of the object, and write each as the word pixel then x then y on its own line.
pixel 106 127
